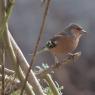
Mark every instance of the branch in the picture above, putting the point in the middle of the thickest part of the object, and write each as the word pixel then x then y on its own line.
pixel 71 58
pixel 24 66
pixel 11 53
pixel 37 44
pixel 2 62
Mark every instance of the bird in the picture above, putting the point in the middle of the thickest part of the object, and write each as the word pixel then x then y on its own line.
pixel 65 42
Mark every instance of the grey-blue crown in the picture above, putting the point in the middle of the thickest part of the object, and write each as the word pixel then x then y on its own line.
pixel 74 26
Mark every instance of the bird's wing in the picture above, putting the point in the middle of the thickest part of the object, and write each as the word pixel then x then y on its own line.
pixel 55 40
pixel 60 33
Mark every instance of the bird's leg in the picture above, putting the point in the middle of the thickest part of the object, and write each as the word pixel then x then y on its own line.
pixel 56 60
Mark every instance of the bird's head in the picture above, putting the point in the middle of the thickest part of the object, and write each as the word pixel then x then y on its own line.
pixel 77 30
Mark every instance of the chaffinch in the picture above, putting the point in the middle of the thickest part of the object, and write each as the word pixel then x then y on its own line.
pixel 65 42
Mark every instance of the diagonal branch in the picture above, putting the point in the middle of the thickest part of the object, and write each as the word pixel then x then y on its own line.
pixel 37 43
pixel 22 62
pixel 69 60
pixel 12 54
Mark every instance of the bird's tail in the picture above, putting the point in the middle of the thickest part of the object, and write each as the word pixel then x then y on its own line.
pixel 41 51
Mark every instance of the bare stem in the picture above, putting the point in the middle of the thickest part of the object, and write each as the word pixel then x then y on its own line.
pixel 10 51
pixel 3 72
pixel 37 43
pixel 24 66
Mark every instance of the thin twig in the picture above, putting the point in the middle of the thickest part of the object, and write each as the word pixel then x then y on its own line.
pixel 1 44
pixel 3 72
pixel 37 44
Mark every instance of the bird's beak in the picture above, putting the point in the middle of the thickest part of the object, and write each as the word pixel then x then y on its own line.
pixel 83 31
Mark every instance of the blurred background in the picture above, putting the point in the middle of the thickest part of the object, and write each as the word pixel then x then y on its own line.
pixel 77 78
